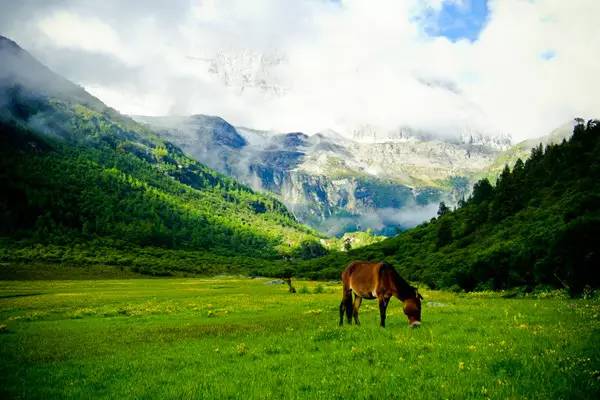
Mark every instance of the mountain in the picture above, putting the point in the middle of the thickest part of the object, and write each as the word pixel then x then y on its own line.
pixel 78 176
pixel 538 226
pixel 377 179
pixel 522 150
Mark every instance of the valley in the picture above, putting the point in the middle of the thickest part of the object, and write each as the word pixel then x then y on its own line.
pixel 85 184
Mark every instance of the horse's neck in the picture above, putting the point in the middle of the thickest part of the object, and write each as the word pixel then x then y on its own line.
pixel 403 291
pixel 402 296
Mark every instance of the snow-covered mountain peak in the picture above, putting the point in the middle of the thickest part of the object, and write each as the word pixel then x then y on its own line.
pixel 371 134
pixel 475 138
pixel 247 69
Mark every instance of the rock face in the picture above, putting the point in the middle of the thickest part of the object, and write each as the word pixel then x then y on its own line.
pixel 376 179
pixel 210 139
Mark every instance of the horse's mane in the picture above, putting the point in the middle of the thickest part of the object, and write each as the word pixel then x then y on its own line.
pixel 400 282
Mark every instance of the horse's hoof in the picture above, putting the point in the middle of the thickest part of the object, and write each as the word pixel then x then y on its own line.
pixel 416 324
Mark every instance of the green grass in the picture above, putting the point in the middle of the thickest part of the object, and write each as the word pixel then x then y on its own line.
pixel 233 337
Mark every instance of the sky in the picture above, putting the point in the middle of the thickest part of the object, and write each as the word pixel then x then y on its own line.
pixel 518 67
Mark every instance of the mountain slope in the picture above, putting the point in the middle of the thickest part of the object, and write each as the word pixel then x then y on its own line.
pixel 333 183
pixel 74 170
pixel 539 225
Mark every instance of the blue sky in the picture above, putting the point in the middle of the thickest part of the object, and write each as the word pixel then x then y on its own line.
pixel 457 20
pixel 548 55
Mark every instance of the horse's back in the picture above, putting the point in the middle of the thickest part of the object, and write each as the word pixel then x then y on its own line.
pixel 359 268
pixel 363 277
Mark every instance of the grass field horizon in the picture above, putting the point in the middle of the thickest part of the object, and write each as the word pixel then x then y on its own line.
pixel 229 336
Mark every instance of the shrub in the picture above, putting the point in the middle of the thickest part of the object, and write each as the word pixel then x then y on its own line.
pixel 303 290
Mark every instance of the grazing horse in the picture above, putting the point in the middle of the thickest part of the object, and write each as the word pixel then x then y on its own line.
pixel 372 280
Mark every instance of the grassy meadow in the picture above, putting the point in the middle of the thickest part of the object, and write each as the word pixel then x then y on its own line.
pixel 234 337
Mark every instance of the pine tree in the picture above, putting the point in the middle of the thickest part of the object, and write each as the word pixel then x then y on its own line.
pixel 482 191
pixel 443 209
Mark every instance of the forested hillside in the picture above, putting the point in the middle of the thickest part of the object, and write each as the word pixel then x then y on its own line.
pixel 77 177
pixel 539 225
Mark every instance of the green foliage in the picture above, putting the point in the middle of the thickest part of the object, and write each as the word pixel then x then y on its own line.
pixel 444 233
pixel 310 249
pixel 304 290
pixel 353 240
pixel 160 152
pixel 319 289
pixel 482 191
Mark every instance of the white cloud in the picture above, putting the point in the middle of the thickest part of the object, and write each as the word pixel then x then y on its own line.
pixel 144 103
pixel 343 64
pixel 68 30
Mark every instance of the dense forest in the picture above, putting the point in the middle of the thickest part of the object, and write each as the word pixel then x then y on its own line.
pixel 539 225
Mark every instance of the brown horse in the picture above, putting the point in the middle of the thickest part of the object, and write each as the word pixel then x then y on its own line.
pixel 371 280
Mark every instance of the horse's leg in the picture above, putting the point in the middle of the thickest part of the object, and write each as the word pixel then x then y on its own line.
pixel 355 308
pixel 383 303
pixel 346 305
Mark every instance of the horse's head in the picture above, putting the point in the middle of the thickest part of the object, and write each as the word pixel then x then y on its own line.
pixel 412 309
